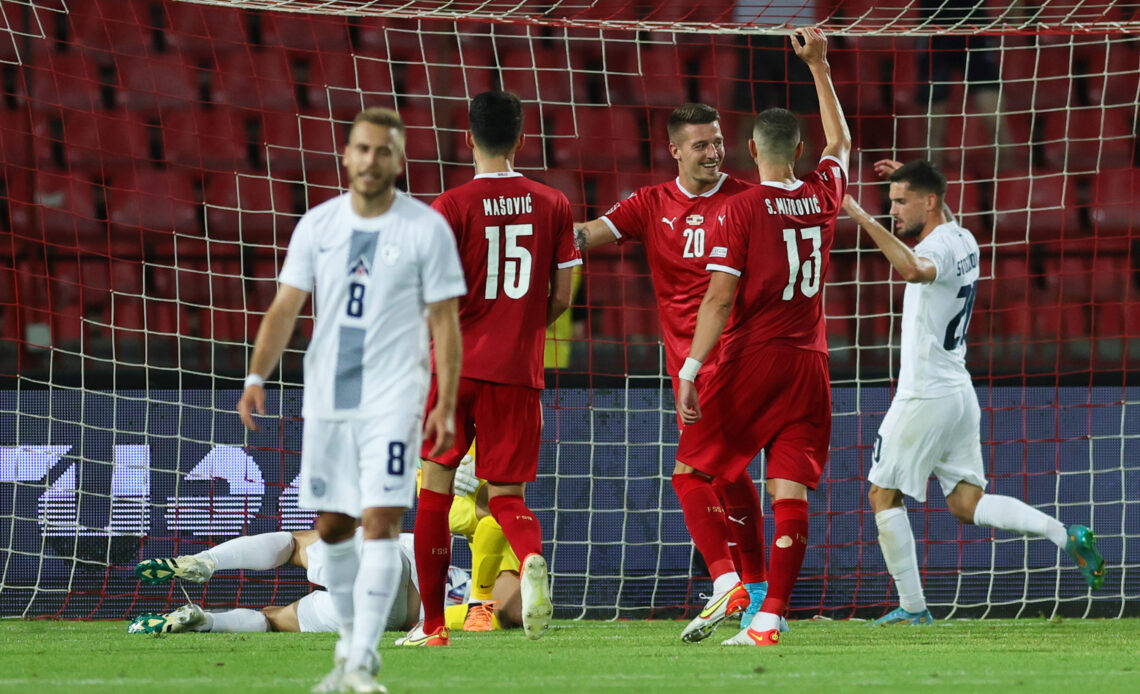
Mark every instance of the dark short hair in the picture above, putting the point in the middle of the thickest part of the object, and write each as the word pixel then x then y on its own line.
pixel 777 132
pixel 496 121
pixel 922 177
pixel 690 114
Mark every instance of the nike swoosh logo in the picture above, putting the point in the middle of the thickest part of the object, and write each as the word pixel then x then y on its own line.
pixel 483 587
pixel 711 609
pixel 390 489
pixel 416 642
pixel 325 250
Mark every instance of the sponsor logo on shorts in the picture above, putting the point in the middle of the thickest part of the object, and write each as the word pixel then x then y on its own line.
pixel 318 486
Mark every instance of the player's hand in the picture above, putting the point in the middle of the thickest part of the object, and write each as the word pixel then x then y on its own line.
pixel 886 167
pixel 465 480
pixel 440 428
pixel 810 45
pixel 688 403
pixel 252 399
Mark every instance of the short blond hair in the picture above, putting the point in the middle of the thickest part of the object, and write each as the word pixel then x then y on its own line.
pixel 383 117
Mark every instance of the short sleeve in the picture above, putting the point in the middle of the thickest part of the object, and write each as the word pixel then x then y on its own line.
pixel 440 270
pixel 566 253
pixel 298 270
pixel 729 240
pixel 627 218
pixel 938 253
pixel 446 207
pixel 830 181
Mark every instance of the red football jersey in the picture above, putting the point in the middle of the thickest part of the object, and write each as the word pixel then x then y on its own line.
pixel 672 223
pixel 513 234
pixel 777 238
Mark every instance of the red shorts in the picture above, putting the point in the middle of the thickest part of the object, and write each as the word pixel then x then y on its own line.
pixel 508 419
pixel 777 400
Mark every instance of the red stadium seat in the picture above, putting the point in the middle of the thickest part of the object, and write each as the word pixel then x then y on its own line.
pixel 1036 77
pixel 1113 71
pixel 1090 139
pixel 155 82
pixel 657 78
pixel 305 32
pixel 15 139
pixel 541 75
pixel 156 201
pixel 322 184
pixel 197 31
pixel 211 139
pixel 254 79
pixel 1116 195
pixel 66 207
pixel 599 138
pixel 65 80
pixel 423 180
pixel 118 26
pixel 1034 208
pixel 332 85
pixel 95 140
pixel 249 208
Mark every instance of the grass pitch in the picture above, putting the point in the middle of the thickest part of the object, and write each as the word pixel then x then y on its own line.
pixel 817 656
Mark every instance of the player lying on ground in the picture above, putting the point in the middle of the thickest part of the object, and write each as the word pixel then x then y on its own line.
pixel 932 426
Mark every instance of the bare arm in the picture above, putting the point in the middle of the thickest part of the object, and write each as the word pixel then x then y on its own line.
pixel 813 51
pixel 913 268
pixel 561 288
pixel 443 321
pixel 592 234
pixel 272 337
pixel 711 319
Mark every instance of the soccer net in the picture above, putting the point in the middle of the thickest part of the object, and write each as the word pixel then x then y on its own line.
pixel 156 155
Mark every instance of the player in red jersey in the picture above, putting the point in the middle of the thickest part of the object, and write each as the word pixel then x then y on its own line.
pixel 671 220
pixel 516 244
pixel 770 391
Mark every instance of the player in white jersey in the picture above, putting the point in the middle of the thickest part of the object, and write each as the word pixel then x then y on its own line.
pixel 265 552
pixel 378 262
pixel 932 426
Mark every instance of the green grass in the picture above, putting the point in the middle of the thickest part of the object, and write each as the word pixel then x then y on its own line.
pixel 963 656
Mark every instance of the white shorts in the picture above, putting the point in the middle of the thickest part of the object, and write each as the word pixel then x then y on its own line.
pixel 921 437
pixel 315 611
pixel 353 464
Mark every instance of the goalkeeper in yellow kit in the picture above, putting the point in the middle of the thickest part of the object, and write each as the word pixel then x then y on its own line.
pixel 495 601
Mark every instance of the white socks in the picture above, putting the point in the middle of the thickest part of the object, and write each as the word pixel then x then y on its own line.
pixel 897 542
pixel 342 566
pixel 239 621
pixel 1008 513
pixel 725 581
pixel 375 589
pixel 254 553
pixel 764 621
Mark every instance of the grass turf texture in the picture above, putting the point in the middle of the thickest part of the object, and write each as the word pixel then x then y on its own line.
pixel 1038 655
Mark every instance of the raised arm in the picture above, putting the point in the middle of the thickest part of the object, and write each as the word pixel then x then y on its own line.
pixel 886 167
pixel 592 234
pixel 912 267
pixel 272 337
pixel 443 321
pixel 810 44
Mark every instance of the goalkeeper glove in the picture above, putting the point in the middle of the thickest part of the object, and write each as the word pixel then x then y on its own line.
pixel 465 480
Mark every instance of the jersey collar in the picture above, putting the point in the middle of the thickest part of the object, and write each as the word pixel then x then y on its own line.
pixel 500 174
pixel 783 186
pixel 708 193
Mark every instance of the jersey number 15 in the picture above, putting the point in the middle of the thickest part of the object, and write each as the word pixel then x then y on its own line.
pixel 516 261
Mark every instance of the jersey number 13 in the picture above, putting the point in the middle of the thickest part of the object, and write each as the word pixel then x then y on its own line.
pixel 809 268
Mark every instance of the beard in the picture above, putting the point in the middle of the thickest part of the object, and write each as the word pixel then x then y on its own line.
pixel 379 186
pixel 906 232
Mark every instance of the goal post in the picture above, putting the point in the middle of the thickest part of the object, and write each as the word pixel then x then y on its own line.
pixel 155 155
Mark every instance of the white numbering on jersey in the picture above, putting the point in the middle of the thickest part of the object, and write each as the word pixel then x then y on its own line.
pixel 809 285
pixel 516 261
pixel 694 243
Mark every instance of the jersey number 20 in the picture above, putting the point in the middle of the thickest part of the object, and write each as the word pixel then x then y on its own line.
pixel 956 328
pixel 810 267
pixel 516 261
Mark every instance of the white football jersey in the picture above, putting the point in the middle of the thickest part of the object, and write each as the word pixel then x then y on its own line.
pixel 372 279
pixel 935 316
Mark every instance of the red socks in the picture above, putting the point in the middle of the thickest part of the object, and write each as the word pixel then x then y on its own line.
pixel 745 520
pixel 519 524
pixel 787 554
pixel 433 554
pixel 704 517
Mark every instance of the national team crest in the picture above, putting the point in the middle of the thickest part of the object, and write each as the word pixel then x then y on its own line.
pixel 390 253
pixel 694 220
pixel 360 268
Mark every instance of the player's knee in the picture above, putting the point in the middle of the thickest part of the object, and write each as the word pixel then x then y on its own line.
pixel 381 523
pixel 335 527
